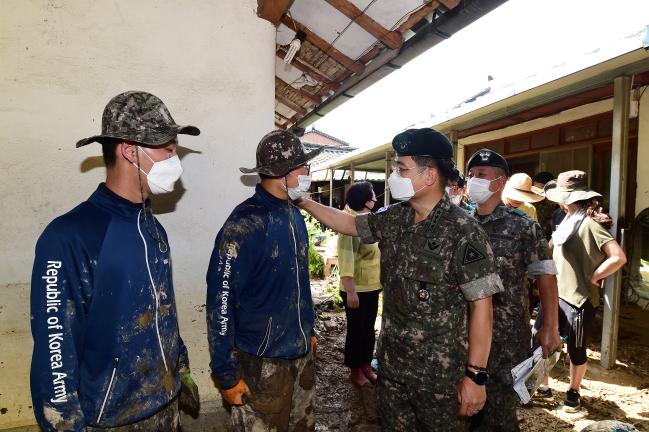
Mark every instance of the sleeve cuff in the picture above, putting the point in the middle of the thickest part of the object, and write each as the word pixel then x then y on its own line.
pixel 183 360
pixel 483 287
pixel 226 381
pixel 363 228
pixel 539 268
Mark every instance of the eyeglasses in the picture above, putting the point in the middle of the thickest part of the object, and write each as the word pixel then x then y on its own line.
pixel 400 170
pixel 307 168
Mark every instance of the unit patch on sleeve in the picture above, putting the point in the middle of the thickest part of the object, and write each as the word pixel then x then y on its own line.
pixel 433 246
pixel 471 255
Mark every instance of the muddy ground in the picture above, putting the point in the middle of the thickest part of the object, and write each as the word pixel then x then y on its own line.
pixel 621 393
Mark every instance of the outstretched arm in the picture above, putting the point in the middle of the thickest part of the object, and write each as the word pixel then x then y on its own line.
pixel 337 220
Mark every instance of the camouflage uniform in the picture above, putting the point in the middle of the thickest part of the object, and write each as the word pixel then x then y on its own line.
pixel 544 211
pixel 282 394
pixel 521 251
pixel 429 272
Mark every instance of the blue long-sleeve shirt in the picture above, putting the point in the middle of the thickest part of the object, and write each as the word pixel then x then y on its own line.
pixel 258 292
pixel 97 357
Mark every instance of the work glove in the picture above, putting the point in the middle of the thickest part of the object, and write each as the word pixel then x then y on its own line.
pixel 314 344
pixel 189 400
pixel 233 396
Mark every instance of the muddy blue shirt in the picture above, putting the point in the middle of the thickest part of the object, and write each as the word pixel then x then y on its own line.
pixel 258 292
pixel 97 356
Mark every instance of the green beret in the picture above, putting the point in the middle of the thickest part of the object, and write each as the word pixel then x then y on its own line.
pixel 422 142
pixel 486 157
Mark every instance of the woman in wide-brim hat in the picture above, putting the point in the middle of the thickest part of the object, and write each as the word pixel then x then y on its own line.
pixel 519 193
pixel 585 253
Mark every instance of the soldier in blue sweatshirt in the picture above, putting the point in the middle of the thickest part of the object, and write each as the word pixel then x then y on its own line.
pixel 107 350
pixel 259 309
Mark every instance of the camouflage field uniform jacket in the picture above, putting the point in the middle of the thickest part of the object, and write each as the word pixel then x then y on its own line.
pixel 429 271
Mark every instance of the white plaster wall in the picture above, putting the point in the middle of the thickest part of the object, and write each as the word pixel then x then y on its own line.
pixel 211 61
pixel 642 176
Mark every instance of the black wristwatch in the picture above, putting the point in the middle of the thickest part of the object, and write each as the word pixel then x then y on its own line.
pixel 479 377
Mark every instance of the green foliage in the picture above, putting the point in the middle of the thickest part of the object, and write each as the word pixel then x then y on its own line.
pixel 316 263
pixel 317 234
pixel 335 295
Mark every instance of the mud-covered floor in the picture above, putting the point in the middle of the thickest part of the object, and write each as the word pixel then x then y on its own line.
pixel 621 393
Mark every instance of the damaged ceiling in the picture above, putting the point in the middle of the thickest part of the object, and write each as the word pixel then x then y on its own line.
pixel 347 45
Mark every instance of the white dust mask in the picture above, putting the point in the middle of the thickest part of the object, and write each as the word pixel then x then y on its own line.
pixel 401 187
pixel 478 189
pixel 163 175
pixel 302 188
pixel 456 199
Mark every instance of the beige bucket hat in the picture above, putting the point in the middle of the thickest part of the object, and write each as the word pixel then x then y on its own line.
pixel 519 188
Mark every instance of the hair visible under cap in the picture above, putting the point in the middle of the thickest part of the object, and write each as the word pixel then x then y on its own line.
pixel 543 177
pixel 358 194
pixel 109 150
pixel 595 211
pixel 445 167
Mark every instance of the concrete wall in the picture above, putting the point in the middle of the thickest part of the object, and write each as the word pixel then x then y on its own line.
pixel 642 193
pixel 211 62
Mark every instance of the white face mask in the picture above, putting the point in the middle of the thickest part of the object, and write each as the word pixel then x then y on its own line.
pixel 401 187
pixel 456 199
pixel 478 189
pixel 163 175
pixel 302 188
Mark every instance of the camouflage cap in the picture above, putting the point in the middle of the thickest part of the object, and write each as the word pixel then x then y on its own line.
pixel 138 117
pixel 278 153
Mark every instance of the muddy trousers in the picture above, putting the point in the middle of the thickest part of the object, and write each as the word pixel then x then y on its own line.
pixel 418 408
pixel 282 395
pixel 167 419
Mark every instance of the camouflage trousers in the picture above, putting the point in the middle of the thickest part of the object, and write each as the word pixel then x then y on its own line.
pixel 418 408
pixel 167 419
pixel 282 395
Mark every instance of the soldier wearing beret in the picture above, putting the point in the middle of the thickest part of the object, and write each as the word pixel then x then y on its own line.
pixel 435 261
pixel 521 251
pixel 259 309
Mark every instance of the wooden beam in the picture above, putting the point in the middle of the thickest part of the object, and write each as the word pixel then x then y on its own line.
pixel 272 10
pixel 292 105
pixel 426 10
pixel 392 39
pixel 450 4
pixel 371 54
pixel 307 68
pixel 354 66
pixel 283 117
pixel 313 98
pixel 415 17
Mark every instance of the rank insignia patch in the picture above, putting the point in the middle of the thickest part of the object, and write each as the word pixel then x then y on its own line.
pixel 433 246
pixel 471 255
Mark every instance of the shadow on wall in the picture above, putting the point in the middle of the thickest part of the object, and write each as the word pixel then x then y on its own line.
pixel 165 203
pixel 250 180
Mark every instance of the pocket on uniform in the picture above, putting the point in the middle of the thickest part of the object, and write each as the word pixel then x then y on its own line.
pixel 425 268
